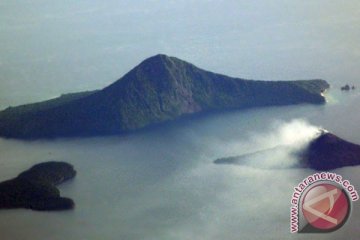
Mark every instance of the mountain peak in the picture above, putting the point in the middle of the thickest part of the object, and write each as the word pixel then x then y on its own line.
pixel 159 89
pixel 328 151
pixel 163 60
pixel 159 60
pixel 150 69
pixel 156 59
pixel 159 69
pixel 159 56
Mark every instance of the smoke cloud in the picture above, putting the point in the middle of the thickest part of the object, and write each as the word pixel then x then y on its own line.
pixel 278 147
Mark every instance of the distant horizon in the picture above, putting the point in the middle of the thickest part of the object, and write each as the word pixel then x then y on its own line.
pixel 158 54
pixel 54 48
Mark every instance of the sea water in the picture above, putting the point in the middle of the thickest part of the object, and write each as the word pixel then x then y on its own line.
pixel 162 183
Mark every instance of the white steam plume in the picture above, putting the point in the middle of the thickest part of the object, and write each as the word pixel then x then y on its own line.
pixel 275 149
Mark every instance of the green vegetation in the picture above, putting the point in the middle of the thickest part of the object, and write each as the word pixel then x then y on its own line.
pixel 328 152
pixel 159 89
pixel 36 188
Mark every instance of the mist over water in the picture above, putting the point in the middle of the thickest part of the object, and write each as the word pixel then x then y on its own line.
pixel 283 141
pixel 162 183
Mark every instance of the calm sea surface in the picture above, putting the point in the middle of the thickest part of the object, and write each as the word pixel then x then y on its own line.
pixel 162 183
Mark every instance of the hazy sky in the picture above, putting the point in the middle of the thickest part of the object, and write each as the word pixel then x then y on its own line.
pixel 48 48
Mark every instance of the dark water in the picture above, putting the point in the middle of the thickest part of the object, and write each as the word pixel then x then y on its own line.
pixel 162 184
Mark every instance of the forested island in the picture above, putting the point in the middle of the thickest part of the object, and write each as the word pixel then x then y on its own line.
pixel 159 89
pixel 36 188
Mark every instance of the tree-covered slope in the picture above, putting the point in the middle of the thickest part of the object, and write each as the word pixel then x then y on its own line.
pixel 160 88
pixel 36 188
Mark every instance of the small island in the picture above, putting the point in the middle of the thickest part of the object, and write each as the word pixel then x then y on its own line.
pixel 36 188
pixel 326 152
pixel 347 87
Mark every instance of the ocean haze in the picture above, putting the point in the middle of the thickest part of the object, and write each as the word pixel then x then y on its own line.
pixel 162 184
pixel 53 48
